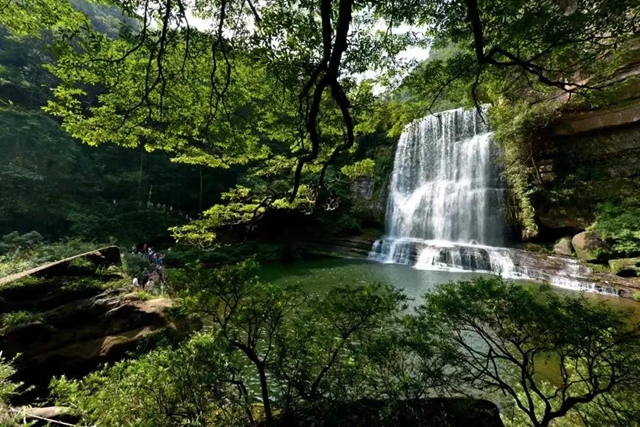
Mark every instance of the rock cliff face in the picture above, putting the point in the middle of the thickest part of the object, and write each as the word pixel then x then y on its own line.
pixel 371 199
pixel 74 339
pixel 585 158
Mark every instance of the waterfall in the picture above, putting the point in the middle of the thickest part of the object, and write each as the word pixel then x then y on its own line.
pixel 446 206
pixel 446 200
pixel 446 182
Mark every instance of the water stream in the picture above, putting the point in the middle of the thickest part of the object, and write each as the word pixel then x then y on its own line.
pixel 446 207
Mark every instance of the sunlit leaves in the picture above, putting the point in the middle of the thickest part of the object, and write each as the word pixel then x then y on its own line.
pixel 363 168
pixel 30 17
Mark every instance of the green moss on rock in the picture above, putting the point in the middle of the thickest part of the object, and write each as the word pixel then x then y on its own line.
pixel 590 247
pixel 625 267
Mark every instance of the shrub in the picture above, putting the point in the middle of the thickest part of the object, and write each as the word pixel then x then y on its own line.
pixel 15 240
pixel 17 318
pixel 133 264
pixel 497 333
pixel 192 385
pixel 290 349
pixel 347 224
pixel 146 295
pixel 618 222
pixel 7 389
pixel 82 265
pixel 23 256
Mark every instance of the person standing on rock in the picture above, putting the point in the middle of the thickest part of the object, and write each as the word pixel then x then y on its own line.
pixel 135 283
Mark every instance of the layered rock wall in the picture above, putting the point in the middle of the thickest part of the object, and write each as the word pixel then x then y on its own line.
pixel 585 157
pixel 585 160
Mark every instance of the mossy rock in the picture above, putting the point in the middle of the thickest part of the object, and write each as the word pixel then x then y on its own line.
pixel 563 247
pixel 625 267
pixel 590 247
pixel 536 248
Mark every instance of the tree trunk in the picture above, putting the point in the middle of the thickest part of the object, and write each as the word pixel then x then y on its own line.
pixel 265 394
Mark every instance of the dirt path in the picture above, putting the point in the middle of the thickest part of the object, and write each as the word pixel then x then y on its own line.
pixel 16 276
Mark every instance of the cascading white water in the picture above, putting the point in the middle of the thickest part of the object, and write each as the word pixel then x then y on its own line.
pixel 446 206
pixel 446 182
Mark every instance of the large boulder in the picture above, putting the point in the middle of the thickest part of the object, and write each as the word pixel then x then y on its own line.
pixel 590 247
pixel 563 247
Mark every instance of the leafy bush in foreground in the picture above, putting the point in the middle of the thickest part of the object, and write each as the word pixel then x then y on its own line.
pixel 7 389
pixel 272 350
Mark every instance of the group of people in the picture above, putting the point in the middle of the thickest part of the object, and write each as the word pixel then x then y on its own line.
pixel 153 275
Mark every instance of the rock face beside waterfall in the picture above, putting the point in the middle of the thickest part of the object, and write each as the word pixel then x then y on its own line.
pixel 370 198
pixel 583 159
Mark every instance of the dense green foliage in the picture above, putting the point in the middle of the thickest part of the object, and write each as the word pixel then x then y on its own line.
pixel 17 318
pixel 60 187
pixel 619 223
pixel 504 333
pixel 7 389
pixel 557 358
pixel 255 112
pixel 268 90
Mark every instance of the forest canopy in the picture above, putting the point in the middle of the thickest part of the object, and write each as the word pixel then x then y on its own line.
pixel 276 87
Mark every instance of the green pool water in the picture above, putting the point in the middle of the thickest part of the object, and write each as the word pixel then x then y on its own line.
pixel 319 275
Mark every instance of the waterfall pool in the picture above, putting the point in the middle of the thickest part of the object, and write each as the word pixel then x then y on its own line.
pixel 321 274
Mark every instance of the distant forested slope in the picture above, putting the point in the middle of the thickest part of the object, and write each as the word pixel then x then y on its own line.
pixel 56 185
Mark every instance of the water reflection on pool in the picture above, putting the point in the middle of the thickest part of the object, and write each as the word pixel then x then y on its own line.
pixel 320 275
